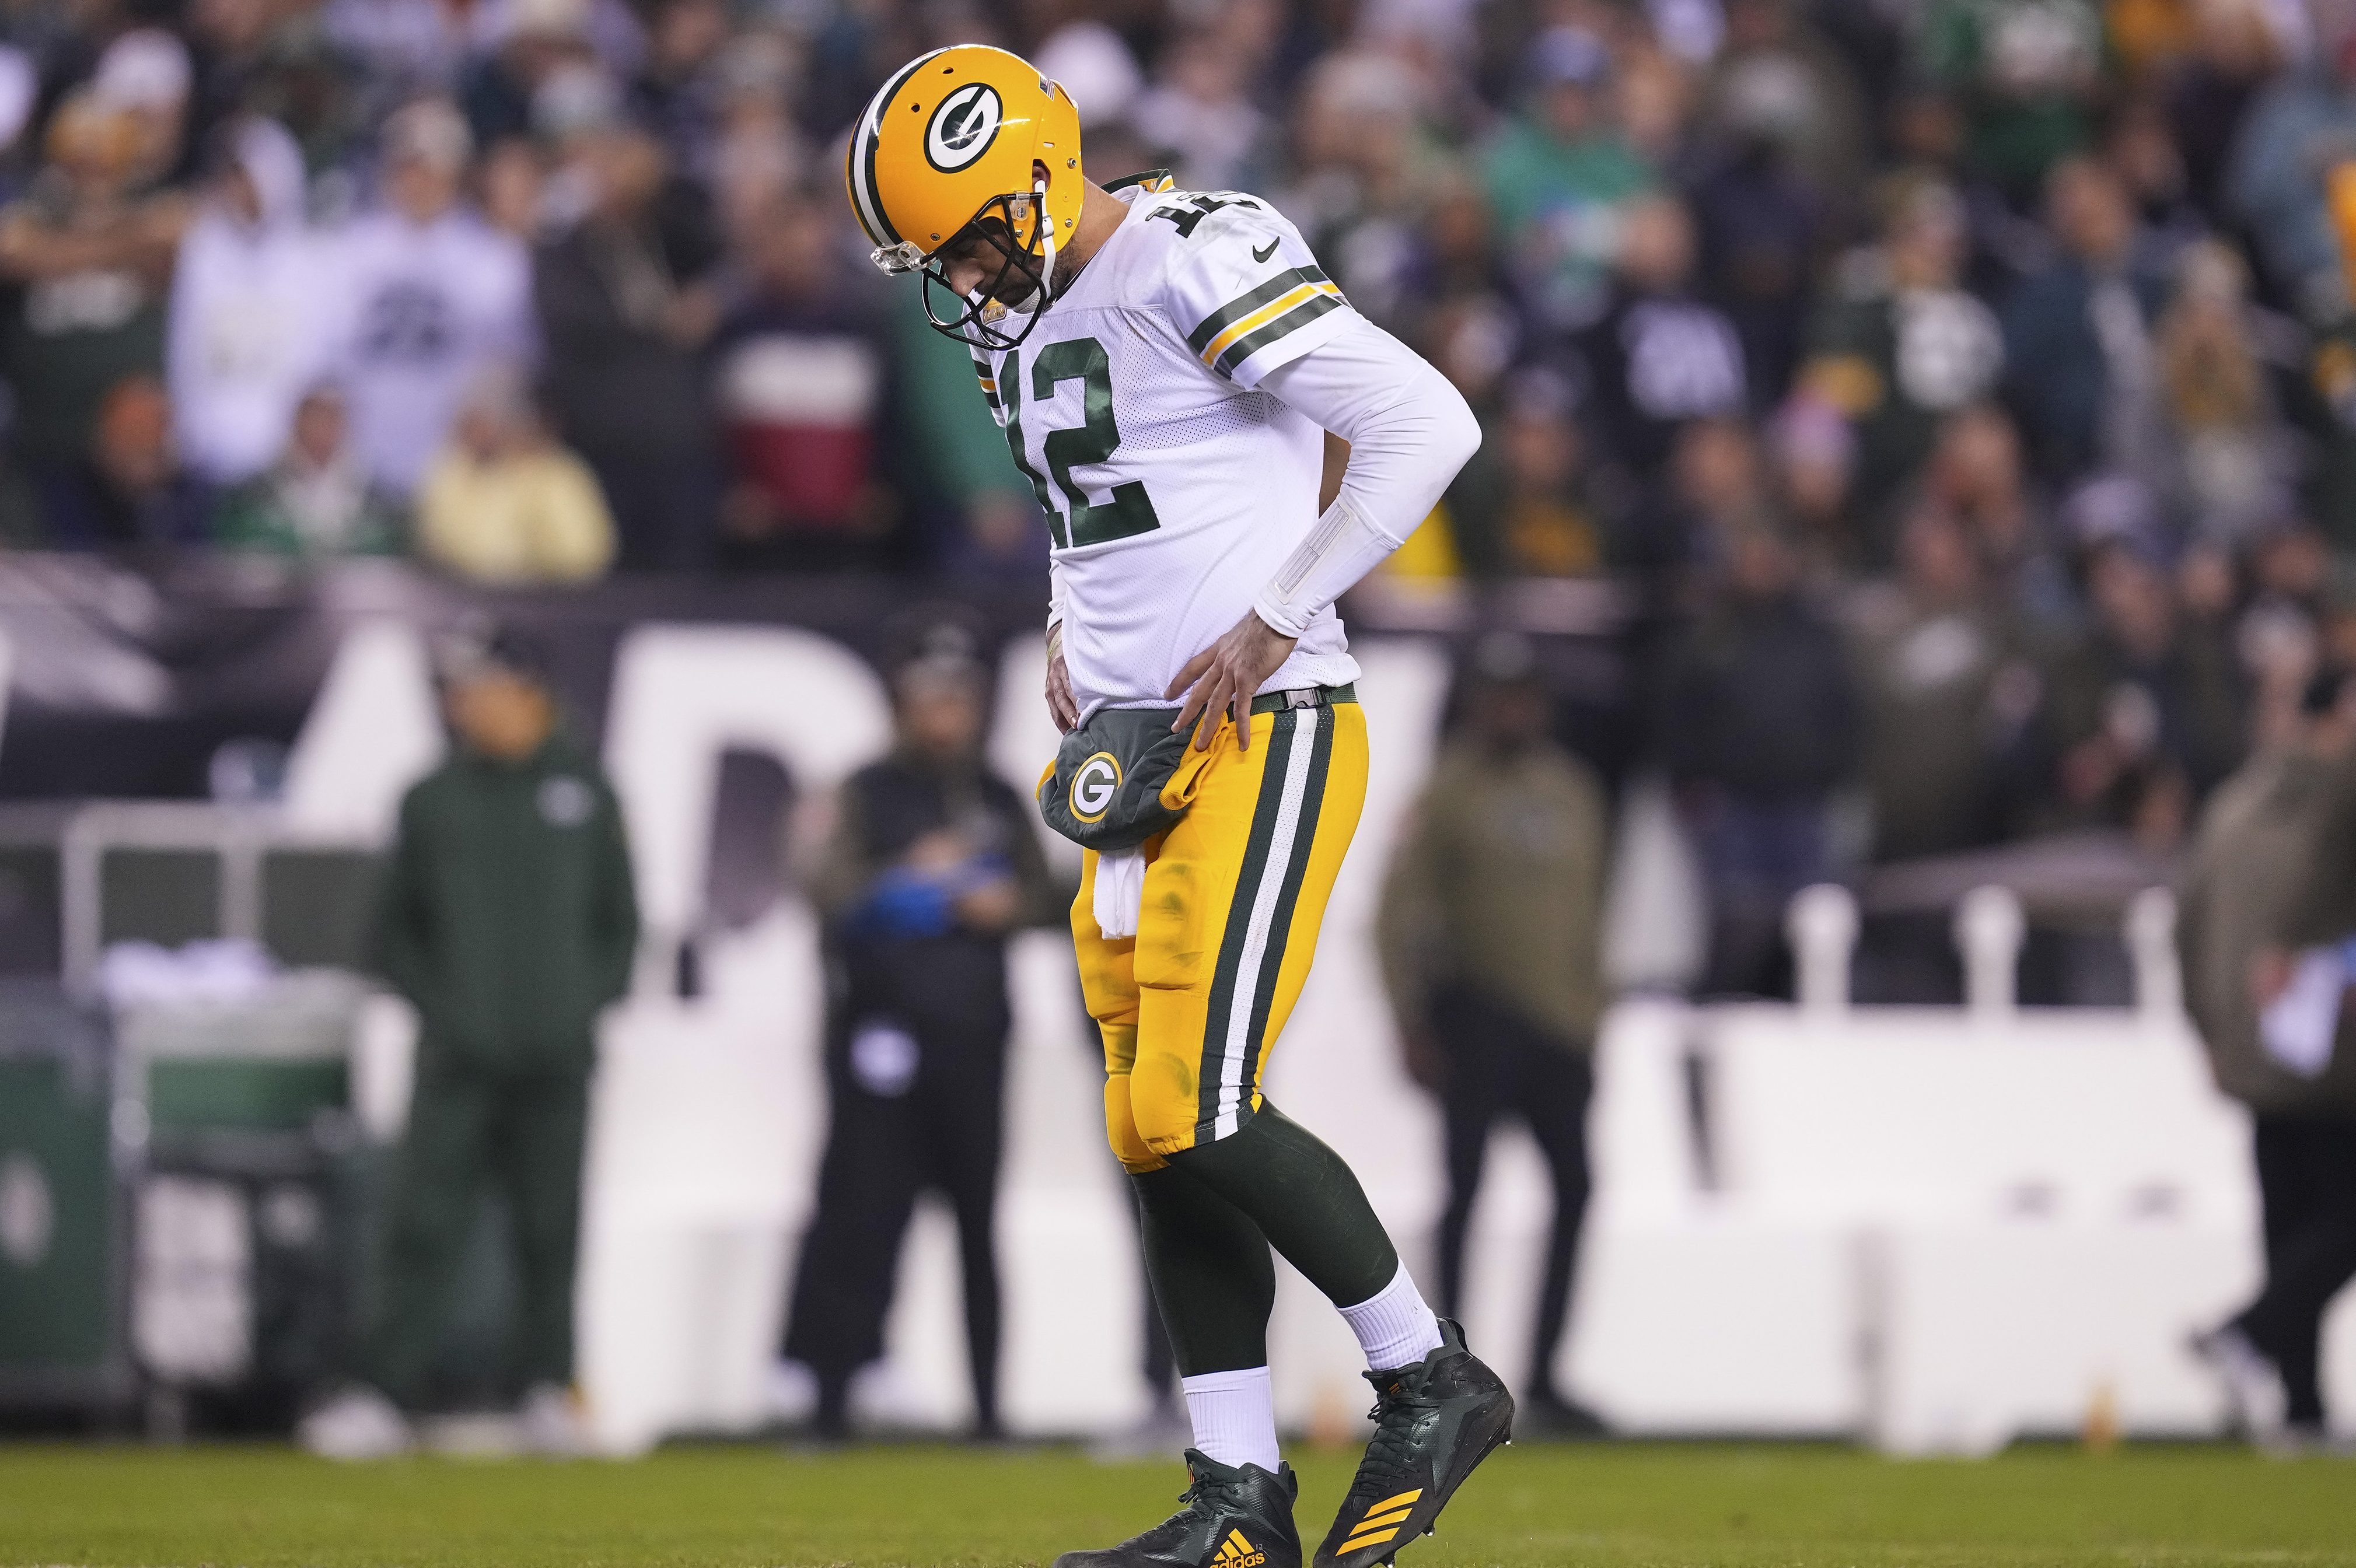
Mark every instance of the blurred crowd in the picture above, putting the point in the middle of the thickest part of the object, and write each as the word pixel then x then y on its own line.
pixel 529 290
pixel 1966 388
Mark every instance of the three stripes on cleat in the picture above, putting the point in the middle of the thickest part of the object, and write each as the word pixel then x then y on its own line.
pixel 1382 1522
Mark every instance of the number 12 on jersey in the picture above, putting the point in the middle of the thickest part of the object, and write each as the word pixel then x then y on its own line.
pixel 1128 510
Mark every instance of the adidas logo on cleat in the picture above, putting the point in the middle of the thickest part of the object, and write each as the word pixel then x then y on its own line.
pixel 1235 1552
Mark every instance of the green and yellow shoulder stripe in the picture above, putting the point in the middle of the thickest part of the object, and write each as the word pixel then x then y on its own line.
pixel 1260 315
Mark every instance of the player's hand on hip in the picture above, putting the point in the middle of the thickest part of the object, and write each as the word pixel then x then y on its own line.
pixel 1060 704
pixel 1220 681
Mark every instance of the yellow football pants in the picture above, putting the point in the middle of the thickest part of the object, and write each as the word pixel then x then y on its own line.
pixel 1234 897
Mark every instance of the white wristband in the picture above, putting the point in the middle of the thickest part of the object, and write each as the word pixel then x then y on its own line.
pixel 1342 548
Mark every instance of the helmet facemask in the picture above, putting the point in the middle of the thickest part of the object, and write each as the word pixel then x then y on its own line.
pixel 979 319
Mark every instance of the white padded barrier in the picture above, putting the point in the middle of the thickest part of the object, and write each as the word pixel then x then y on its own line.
pixel 1988 1330
pixel 701 1134
pixel 2339 1363
pixel 1066 1252
pixel 2086 1113
pixel 2046 1205
pixel 1717 1323
pixel 709 1114
pixel 1692 1315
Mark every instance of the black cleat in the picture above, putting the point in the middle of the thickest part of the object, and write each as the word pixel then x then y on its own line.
pixel 1238 1517
pixel 1434 1423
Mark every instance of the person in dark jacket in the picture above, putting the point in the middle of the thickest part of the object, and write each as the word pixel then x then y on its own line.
pixel 625 309
pixel 1660 357
pixel 1945 686
pixel 805 395
pixel 1759 725
pixel 2145 712
pixel 2078 351
pixel 129 492
pixel 932 866
pixel 2273 836
pixel 509 920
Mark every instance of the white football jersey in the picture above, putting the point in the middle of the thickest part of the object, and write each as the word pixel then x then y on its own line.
pixel 1173 485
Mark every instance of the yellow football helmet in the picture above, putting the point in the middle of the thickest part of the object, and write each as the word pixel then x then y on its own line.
pixel 950 141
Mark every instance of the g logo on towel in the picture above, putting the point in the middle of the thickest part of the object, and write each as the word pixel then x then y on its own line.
pixel 1094 784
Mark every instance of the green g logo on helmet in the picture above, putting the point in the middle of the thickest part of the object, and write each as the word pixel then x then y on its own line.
pixel 963 126
pixel 1094 783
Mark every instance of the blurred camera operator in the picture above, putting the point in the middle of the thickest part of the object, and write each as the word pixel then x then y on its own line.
pixel 933 864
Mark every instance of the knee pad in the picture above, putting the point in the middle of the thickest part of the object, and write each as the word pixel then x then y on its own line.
pixel 1120 1128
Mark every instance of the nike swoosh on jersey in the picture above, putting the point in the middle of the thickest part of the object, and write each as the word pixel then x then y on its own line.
pixel 1264 252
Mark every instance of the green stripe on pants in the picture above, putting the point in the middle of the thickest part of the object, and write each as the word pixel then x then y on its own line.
pixel 1232 942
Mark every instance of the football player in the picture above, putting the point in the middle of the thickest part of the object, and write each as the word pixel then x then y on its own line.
pixel 1166 366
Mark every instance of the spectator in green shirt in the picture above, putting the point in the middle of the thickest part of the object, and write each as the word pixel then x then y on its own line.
pixel 1899 345
pixel 316 501
pixel 1558 177
pixel 86 257
pixel 2026 73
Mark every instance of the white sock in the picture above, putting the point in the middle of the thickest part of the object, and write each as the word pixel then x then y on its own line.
pixel 1393 1325
pixel 1235 1417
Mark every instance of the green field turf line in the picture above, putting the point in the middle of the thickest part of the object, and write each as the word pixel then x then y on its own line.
pixel 1630 1505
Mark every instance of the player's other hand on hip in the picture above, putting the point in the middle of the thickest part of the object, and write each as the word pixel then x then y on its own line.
pixel 1060 706
pixel 1219 681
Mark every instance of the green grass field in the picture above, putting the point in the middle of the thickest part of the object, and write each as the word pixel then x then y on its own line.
pixel 1531 1505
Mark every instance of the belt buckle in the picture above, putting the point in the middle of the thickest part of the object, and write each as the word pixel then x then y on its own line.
pixel 1304 697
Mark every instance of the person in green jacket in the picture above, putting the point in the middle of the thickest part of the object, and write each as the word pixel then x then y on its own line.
pixel 507 919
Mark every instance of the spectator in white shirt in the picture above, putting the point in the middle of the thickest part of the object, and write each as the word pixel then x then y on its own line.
pixel 429 295
pixel 247 319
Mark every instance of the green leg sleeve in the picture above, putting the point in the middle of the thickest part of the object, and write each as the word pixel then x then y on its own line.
pixel 1213 1277
pixel 1305 1201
